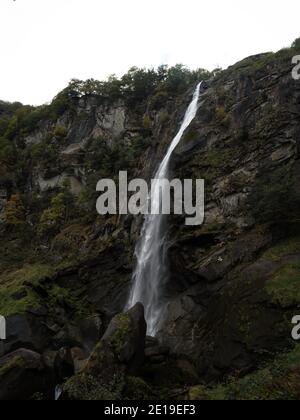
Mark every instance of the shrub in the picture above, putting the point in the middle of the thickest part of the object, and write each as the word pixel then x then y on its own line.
pixel 7 152
pixel 147 123
pixel 14 211
pixel 57 215
pixel 296 45
pixel 60 131
pixel 44 154
pixel 222 116
pixel 159 100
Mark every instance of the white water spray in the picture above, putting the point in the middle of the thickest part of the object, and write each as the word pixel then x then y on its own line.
pixel 151 272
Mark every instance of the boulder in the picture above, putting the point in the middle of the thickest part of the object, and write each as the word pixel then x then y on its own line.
pixel 22 374
pixel 120 351
pixel 25 330
pixel 126 335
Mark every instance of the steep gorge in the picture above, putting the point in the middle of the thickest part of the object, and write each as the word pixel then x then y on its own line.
pixel 233 286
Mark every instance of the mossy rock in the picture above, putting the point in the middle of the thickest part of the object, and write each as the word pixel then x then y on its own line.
pixel 85 387
pixel 17 288
pixel 284 284
pixel 16 362
pixel 120 350
pixel 137 389
pixel 22 374
pixel 118 338
pixel 277 380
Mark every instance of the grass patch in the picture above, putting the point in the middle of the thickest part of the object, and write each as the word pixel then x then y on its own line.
pixel 284 286
pixel 278 380
pixel 17 293
pixel 283 249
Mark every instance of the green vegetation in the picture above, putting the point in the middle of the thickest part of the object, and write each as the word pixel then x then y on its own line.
pixel 60 131
pixel 221 115
pixel 296 45
pixel 57 215
pixel 45 154
pixel 20 292
pixel 283 249
pixel 14 211
pixel 118 339
pixel 278 380
pixel 137 389
pixel 17 294
pixel 284 286
pixel 15 363
pixel 85 387
pixel 138 84
pixel 261 62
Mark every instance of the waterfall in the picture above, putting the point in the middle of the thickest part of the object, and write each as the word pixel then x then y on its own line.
pixel 151 269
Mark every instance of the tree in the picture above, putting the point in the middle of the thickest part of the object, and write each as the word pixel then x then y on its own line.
pixel 58 214
pixel 296 44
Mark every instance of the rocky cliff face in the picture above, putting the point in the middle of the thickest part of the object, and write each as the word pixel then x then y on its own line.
pixel 234 282
pixel 229 277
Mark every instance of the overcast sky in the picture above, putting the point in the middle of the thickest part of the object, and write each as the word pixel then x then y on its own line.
pixel 45 43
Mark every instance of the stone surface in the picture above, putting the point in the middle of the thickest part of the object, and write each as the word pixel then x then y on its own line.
pixel 228 302
pixel 120 351
pixel 22 374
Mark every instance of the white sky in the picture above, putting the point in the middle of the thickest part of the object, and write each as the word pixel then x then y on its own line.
pixel 45 43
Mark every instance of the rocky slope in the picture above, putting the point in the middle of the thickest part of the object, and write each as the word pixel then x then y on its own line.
pixel 234 282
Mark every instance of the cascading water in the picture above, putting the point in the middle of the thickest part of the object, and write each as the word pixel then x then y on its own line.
pixel 151 272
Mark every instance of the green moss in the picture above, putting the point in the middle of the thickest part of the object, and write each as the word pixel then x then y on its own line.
pixel 147 122
pixel 22 283
pixel 222 116
pixel 15 363
pixel 119 337
pixel 86 388
pixel 137 389
pixel 70 299
pixel 164 117
pixel 38 396
pixel 279 380
pixel 288 247
pixel 284 286
pixel 18 292
pixel 200 392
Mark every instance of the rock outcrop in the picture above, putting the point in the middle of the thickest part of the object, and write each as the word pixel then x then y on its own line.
pixel 22 375
pixel 233 284
pixel 120 352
